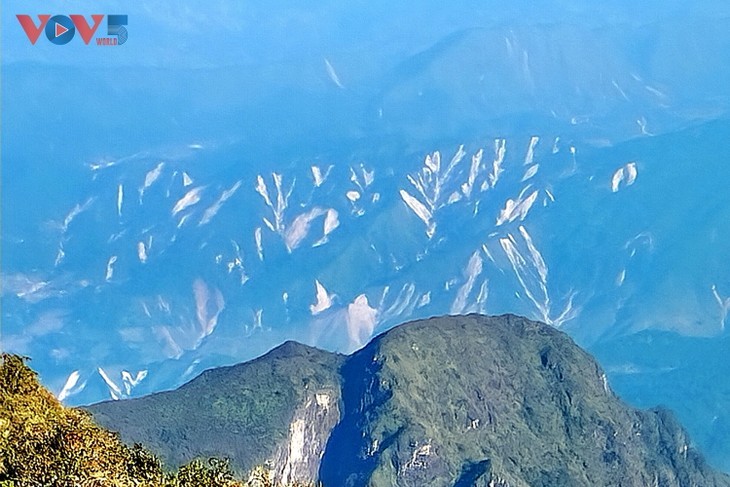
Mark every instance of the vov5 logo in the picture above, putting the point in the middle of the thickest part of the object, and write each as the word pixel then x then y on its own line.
pixel 61 29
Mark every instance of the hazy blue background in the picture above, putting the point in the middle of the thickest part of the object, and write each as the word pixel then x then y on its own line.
pixel 623 245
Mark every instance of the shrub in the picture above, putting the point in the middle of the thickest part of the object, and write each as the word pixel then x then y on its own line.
pixel 43 443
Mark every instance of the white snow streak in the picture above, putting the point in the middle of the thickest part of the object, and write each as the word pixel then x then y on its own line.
pixel 530 173
pixel 531 150
pixel 333 74
pixel 259 243
pixel 403 304
pixel 537 261
pixel 130 382
pixel 150 179
pixel 299 228
pixel 59 255
pixel 282 201
pixel 319 176
pixel 471 273
pixel 361 319
pixel 518 208
pixel 324 299
pixel 331 221
pixel 500 148
pixel 642 126
pixel 114 391
pixel 724 306
pixel 120 199
pixel 173 349
pixel 430 184
pixel 141 252
pixel 209 306
pixel 532 276
pixel 213 210
pixel 110 268
pixel 476 162
pixel 76 211
pixel 626 174
pixel 420 210
pixel 620 90
pixel 71 382
pixel 191 198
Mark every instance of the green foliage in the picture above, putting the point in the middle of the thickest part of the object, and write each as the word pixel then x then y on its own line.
pixel 144 466
pixel 240 412
pixel 214 473
pixel 43 443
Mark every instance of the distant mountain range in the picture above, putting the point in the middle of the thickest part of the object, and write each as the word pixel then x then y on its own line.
pixel 454 401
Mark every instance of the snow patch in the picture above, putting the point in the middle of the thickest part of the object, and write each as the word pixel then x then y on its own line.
pixel 76 211
pixel 361 319
pixel 724 304
pixel 299 228
pixel 530 173
pixel 120 200
pixel 500 148
pixel 324 299
pixel 131 381
pixel 150 179
pixel 259 243
pixel 213 210
pixel 517 208
pixel 191 198
pixel 110 268
pixel 141 252
pixel 532 275
pixel 626 174
pixel 282 201
pixel 476 163
pixel 319 176
pixel 420 211
pixel 114 391
pixel 333 74
pixel 530 156
pixel 208 305
pixel 471 273
pixel 68 387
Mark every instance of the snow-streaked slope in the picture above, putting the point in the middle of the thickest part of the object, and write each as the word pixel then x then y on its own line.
pixel 550 248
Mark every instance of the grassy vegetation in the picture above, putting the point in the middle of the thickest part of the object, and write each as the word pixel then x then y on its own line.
pixel 43 443
pixel 243 412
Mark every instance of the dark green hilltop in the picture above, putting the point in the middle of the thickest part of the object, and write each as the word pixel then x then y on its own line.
pixel 454 401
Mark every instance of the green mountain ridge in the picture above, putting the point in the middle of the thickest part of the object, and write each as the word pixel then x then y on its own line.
pixel 452 401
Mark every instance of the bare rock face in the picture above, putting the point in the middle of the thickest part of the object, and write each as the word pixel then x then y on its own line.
pixel 455 401
pixel 299 457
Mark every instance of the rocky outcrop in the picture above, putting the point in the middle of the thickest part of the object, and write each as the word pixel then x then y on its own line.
pixel 298 458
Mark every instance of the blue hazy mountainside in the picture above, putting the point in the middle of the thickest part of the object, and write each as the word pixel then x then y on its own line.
pixel 237 175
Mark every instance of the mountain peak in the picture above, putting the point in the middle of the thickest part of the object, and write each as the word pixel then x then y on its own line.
pixel 455 400
pixel 291 348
